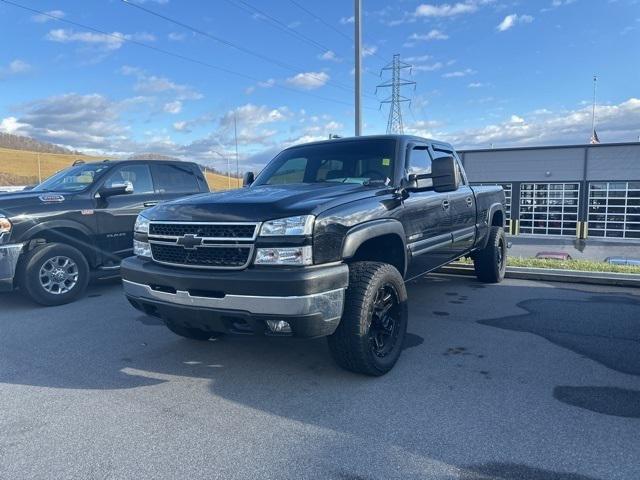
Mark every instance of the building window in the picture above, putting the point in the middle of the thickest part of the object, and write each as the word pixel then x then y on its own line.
pixel 614 209
pixel 549 208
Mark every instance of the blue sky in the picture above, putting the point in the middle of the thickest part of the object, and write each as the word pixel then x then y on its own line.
pixel 488 72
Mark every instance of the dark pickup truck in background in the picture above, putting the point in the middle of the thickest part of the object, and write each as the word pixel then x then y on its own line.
pixel 320 244
pixel 80 221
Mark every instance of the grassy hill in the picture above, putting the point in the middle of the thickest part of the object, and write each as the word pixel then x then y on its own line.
pixel 22 167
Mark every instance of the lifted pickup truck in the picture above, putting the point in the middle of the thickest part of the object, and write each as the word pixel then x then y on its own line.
pixel 319 244
pixel 80 222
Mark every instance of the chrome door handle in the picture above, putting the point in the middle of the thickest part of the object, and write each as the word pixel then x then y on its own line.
pixel 445 204
pixel 150 204
pixel 469 201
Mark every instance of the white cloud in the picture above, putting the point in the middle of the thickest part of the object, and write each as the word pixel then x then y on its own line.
pixel 368 50
pixel 476 85
pixel 173 107
pixel 152 84
pixel 512 20
pixel 112 41
pixel 11 125
pixel 176 37
pixel 15 67
pixel 432 67
pixel 431 35
pixel 422 58
pixel 47 18
pixel 309 80
pixel 445 9
pixel 616 123
pixel 329 55
pixel 347 20
pixel 460 73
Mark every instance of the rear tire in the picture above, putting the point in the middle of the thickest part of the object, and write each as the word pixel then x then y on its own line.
pixel 490 263
pixel 53 274
pixel 370 335
pixel 192 333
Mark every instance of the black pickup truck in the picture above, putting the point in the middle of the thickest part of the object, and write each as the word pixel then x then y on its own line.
pixel 319 244
pixel 79 223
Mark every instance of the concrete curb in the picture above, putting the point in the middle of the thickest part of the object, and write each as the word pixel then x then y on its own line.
pixel 556 275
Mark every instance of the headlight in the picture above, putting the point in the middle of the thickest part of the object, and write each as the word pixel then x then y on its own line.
pixel 284 256
pixel 142 225
pixel 300 225
pixel 141 249
pixel 5 225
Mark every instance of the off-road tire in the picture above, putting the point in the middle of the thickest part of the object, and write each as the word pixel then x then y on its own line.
pixel 29 270
pixel 192 333
pixel 351 345
pixel 490 263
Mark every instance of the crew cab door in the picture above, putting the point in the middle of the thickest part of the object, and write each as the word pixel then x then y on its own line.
pixel 462 207
pixel 116 215
pixel 425 217
pixel 172 180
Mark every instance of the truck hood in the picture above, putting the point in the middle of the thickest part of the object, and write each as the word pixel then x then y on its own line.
pixel 264 202
pixel 25 202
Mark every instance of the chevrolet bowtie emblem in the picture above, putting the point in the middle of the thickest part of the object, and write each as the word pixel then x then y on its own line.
pixel 189 242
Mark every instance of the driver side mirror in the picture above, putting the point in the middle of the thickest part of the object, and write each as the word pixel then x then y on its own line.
pixel 123 188
pixel 247 179
pixel 445 174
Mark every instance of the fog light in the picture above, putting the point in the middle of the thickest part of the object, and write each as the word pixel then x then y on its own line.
pixel 279 326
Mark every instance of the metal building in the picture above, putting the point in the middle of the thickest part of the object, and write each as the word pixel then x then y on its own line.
pixel 584 191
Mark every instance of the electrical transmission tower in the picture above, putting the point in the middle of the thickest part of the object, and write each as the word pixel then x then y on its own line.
pixel 394 124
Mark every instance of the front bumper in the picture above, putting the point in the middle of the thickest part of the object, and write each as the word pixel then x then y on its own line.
pixel 9 255
pixel 310 300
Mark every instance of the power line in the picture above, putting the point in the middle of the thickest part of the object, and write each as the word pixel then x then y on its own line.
pixel 394 123
pixel 123 39
pixel 230 44
pixel 322 20
pixel 247 7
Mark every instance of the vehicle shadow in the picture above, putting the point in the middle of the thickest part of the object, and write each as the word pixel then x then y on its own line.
pixel 440 382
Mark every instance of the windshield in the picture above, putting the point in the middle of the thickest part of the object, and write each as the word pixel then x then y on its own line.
pixel 362 161
pixel 72 179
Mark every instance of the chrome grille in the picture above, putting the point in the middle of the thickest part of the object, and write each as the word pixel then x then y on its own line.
pixel 203 245
pixel 212 231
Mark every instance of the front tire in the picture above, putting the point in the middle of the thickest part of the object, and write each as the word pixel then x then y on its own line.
pixel 370 335
pixel 490 263
pixel 54 274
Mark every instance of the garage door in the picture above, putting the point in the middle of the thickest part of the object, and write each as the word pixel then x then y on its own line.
pixel 614 209
pixel 549 208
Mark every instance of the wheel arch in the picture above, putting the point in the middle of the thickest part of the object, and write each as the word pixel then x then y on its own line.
pixel 377 240
pixel 63 231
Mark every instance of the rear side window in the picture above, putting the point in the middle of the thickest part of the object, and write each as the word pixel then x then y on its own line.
pixel 138 175
pixel 174 178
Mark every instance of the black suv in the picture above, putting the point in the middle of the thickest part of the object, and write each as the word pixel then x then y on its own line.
pixel 320 244
pixel 81 220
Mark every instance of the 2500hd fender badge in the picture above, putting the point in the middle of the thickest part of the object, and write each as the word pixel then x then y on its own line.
pixel 51 198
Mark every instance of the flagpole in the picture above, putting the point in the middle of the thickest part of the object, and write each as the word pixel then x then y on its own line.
pixel 593 110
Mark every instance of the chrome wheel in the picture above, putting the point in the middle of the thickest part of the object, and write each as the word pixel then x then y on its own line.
pixel 58 275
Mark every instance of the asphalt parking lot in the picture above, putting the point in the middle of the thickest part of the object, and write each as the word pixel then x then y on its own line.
pixel 522 380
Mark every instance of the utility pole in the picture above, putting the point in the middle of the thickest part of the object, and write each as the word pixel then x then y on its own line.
pixel 593 111
pixel 394 124
pixel 235 133
pixel 358 65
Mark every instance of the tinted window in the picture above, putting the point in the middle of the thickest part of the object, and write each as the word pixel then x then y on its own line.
pixel 174 178
pixel 138 175
pixel 363 162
